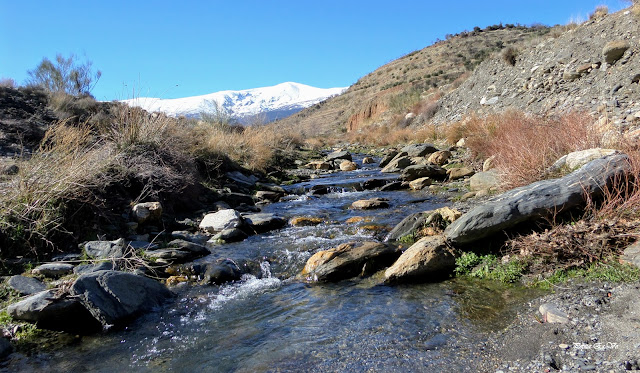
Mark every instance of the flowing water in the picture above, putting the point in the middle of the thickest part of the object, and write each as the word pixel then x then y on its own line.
pixel 270 321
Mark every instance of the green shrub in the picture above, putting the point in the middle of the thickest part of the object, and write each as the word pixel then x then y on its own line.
pixel 64 75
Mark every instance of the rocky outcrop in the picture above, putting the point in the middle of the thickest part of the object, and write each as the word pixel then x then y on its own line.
pixel 537 200
pixel 114 298
pixel 348 260
pixel 429 259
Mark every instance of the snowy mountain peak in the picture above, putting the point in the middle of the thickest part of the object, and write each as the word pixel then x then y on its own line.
pixel 271 103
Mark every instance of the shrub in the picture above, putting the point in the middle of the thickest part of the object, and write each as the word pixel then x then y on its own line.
pixel 7 83
pixel 64 75
pixel 525 145
pixel 599 12
pixel 509 55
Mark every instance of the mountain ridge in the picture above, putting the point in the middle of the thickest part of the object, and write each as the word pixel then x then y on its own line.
pixel 268 103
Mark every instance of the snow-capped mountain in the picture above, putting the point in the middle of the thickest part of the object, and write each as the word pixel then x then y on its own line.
pixel 270 103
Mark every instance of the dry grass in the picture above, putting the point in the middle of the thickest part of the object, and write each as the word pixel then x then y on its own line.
pixel 392 135
pixel 599 12
pixel 66 167
pixel 524 145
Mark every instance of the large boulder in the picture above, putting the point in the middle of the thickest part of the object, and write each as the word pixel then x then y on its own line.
pixel 614 50
pixel 397 164
pixel 419 150
pixel 339 154
pixel 373 184
pixel 114 297
pixel 538 200
pixel 440 157
pixel 429 259
pixel 221 220
pixel 423 170
pixel 147 212
pixel 51 311
pixel 391 154
pixel 26 285
pixel 414 222
pixel 348 260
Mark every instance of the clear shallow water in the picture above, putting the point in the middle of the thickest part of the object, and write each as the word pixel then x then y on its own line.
pixel 270 322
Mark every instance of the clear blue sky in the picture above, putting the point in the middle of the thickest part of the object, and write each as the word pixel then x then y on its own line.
pixel 183 48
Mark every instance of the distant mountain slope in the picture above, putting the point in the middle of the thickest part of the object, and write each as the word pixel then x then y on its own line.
pixel 275 102
pixel 371 98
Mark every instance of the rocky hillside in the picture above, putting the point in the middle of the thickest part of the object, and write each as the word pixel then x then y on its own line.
pixel 593 67
pixel 388 89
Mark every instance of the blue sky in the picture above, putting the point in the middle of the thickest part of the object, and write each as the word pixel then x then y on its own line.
pixel 184 48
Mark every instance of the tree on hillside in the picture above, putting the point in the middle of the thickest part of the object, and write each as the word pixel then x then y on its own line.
pixel 64 75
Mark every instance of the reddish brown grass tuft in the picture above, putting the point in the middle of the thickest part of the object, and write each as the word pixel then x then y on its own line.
pixel 524 145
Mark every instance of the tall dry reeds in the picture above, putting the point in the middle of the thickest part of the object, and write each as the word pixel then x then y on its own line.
pixel 524 145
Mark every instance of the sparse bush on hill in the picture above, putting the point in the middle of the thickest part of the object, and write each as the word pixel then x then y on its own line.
pixel 7 83
pixel 509 55
pixel 599 12
pixel 64 75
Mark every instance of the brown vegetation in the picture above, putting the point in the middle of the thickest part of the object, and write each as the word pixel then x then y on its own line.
pixel 524 145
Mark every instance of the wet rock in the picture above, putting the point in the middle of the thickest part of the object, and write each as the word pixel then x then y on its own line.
pixel 171 255
pixel 348 166
pixel 53 269
pixel 419 150
pixel 484 180
pixel 614 50
pixel 268 196
pixel 389 157
pixel 552 314
pixel 348 260
pixel 270 187
pixel 114 298
pixel 394 185
pixel 50 311
pixel 191 237
pixel 340 154
pixel 147 212
pixel 236 200
pixel 5 348
pixel 319 190
pixel 368 160
pixel 439 158
pixel 537 200
pixel 412 223
pixel 222 271
pixel 229 235
pixel 105 249
pixel 221 220
pixel 372 203
pixel 192 247
pixel 260 223
pixel 459 173
pixel 304 221
pixel 421 183
pixel 397 164
pixel 418 171
pixel 88 268
pixel 373 184
pixel 26 285
pixel 429 259
pixel 319 165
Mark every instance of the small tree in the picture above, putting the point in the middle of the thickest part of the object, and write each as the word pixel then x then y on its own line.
pixel 64 75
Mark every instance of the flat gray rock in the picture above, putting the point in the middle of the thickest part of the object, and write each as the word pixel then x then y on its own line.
pixel 104 249
pixel 53 269
pixel 88 268
pixel 26 285
pixel 419 150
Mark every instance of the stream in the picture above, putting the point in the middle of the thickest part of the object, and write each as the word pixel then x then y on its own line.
pixel 272 322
